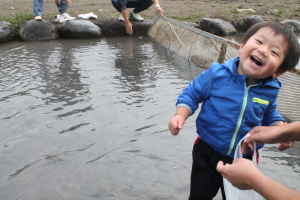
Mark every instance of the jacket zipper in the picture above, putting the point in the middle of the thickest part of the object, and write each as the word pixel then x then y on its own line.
pixel 239 122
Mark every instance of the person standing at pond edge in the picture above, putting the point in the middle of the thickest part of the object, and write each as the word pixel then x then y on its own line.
pixel 139 6
pixel 62 6
pixel 236 96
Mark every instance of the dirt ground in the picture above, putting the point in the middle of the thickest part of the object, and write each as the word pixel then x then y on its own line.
pixel 181 10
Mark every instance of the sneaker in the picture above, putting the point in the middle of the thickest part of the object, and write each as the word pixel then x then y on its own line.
pixel 136 16
pixel 121 18
pixel 59 19
pixel 88 16
pixel 67 16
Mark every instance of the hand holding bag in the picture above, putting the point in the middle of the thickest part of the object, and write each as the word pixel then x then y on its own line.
pixel 233 193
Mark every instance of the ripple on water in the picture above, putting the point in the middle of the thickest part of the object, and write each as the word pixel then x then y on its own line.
pixel 88 120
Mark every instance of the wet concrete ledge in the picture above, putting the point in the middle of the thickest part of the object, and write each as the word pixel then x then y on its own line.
pixel 114 27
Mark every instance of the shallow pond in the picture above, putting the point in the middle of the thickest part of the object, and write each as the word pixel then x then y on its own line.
pixel 87 119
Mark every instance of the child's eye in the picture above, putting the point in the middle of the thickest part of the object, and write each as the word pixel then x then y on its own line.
pixel 260 42
pixel 274 52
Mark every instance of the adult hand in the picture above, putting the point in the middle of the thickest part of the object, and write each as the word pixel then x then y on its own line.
pixel 58 2
pixel 129 28
pixel 267 134
pixel 159 10
pixel 239 173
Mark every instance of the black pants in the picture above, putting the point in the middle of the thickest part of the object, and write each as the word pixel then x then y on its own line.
pixel 205 179
pixel 138 5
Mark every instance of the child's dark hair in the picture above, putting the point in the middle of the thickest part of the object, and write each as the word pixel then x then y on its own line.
pixel 293 48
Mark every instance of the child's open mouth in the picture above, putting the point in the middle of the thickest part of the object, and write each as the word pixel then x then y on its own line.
pixel 256 61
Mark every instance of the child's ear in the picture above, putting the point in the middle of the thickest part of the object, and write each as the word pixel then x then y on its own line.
pixel 241 46
pixel 277 73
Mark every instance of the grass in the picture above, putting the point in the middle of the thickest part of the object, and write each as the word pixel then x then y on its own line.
pixel 190 18
pixel 17 20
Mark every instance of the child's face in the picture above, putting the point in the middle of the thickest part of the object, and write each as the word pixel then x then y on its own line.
pixel 261 55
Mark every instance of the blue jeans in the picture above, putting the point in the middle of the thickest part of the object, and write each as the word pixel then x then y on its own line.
pixel 138 5
pixel 39 4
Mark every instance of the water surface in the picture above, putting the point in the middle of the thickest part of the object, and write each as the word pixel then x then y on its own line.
pixel 87 119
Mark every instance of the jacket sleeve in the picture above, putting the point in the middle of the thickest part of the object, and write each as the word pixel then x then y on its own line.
pixel 197 91
pixel 272 115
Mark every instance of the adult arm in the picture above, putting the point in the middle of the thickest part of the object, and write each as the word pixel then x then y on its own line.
pixel 127 22
pixel 275 134
pixel 243 174
pixel 285 135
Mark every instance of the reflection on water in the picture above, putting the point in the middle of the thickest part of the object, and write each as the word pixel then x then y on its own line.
pixel 87 119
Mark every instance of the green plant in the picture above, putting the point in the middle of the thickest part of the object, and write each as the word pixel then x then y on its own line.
pixel 145 16
pixel 190 18
pixel 17 20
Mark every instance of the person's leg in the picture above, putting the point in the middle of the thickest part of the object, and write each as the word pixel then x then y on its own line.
pixel 139 5
pixel 205 180
pixel 116 5
pixel 62 7
pixel 38 7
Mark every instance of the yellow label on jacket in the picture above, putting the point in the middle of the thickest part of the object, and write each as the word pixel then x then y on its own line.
pixel 261 101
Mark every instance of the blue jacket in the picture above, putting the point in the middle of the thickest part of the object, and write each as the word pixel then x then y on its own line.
pixel 229 108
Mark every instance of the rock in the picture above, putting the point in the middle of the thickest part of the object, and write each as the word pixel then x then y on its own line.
pixel 273 12
pixel 217 26
pixel 7 32
pixel 79 29
pixel 34 30
pixel 293 24
pixel 245 23
pixel 222 17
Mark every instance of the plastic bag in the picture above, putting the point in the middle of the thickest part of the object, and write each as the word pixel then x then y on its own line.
pixel 233 193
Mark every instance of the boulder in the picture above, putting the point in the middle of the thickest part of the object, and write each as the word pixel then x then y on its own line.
pixel 7 32
pixel 217 27
pixel 79 29
pixel 293 24
pixel 244 24
pixel 41 30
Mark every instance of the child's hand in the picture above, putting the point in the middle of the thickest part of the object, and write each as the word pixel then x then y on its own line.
pixel 176 124
pixel 246 147
pixel 280 123
pixel 285 145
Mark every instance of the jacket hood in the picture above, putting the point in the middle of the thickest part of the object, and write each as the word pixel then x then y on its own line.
pixel 232 65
